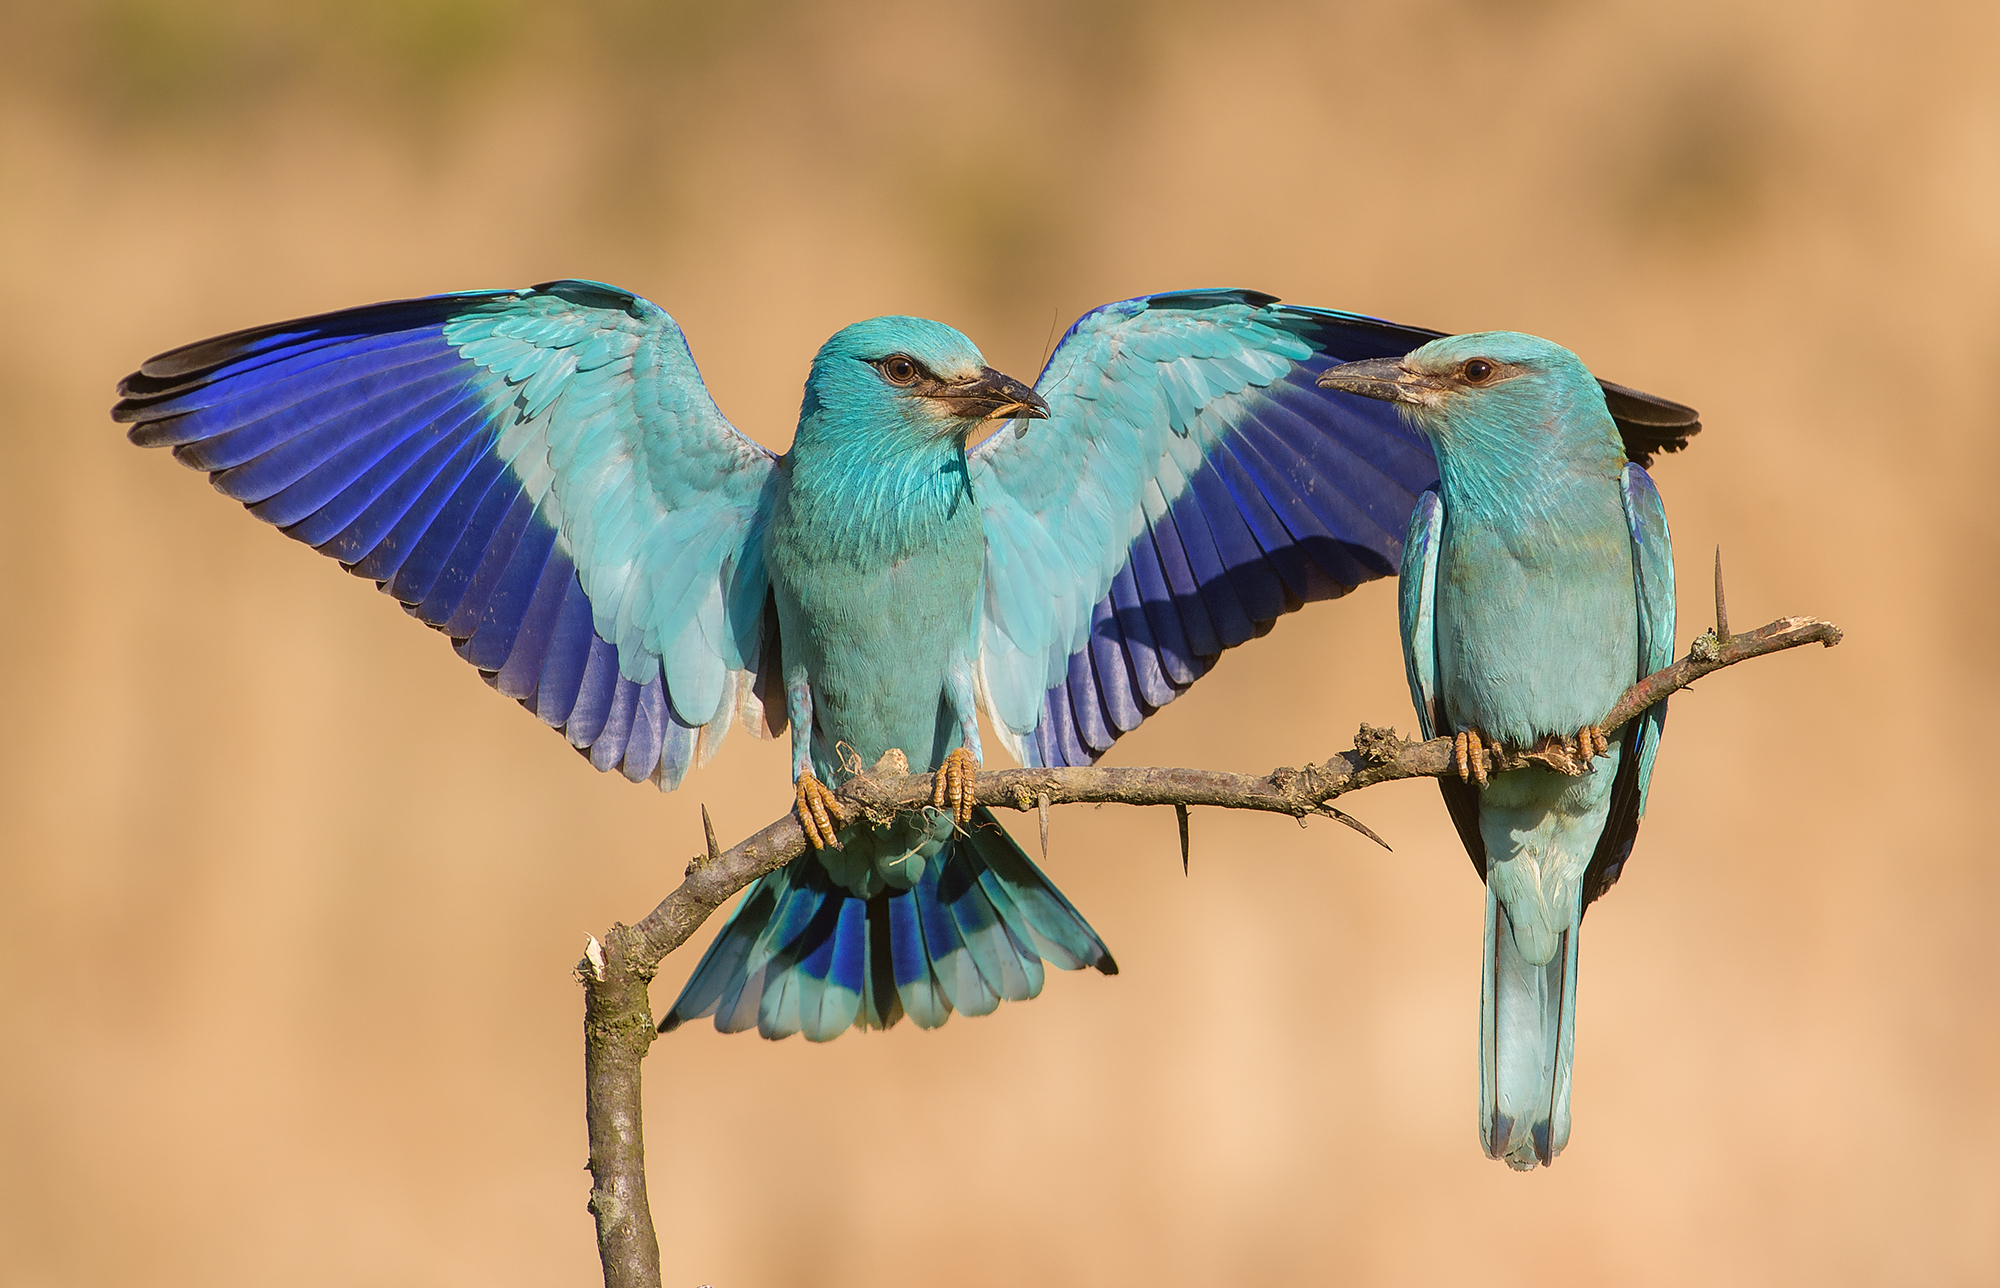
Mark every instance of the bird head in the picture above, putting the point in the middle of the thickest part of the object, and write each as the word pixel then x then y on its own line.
pixel 908 378
pixel 1489 390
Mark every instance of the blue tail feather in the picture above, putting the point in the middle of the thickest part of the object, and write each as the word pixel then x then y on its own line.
pixel 805 954
pixel 916 986
pixel 881 1000
pixel 950 956
pixel 984 935
pixel 1527 1032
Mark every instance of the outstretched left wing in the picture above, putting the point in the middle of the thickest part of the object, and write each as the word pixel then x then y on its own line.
pixel 540 474
pixel 1190 486
pixel 1653 584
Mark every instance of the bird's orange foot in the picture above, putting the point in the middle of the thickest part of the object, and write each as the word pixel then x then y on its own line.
pixel 1590 744
pixel 1572 755
pixel 819 810
pixel 1469 752
pixel 951 788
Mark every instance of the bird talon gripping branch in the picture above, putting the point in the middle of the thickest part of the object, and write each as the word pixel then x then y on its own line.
pixel 1469 753
pixel 820 812
pixel 951 787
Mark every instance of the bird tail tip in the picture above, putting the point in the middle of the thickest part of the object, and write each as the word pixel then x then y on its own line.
pixel 1527 1036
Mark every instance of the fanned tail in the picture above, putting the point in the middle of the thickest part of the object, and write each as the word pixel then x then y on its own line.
pixel 1527 1032
pixel 804 954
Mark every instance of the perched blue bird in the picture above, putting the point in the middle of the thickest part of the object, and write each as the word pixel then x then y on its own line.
pixel 1537 586
pixel 542 475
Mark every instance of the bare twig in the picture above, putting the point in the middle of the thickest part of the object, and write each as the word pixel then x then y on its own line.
pixel 618 1021
pixel 617 1029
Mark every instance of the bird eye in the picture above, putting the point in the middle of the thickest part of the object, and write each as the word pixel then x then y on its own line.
pixel 1477 372
pixel 899 369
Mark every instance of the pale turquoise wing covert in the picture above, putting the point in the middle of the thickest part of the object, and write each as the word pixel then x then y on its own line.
pixel 657 498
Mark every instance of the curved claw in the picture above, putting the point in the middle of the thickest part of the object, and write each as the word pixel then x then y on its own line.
pixel 1469 752
pixel 820 811
pixel 1590 744
pixel 951 787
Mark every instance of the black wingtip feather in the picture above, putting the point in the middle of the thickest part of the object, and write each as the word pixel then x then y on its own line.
pixel 176 370
pixel 1648 423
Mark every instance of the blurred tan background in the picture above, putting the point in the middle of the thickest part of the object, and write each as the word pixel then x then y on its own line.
pixel 289 899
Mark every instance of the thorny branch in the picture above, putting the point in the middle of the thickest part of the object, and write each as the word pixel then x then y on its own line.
pixel 618 1025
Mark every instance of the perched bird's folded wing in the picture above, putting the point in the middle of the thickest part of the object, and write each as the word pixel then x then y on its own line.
pixel 1653 582
pixel 1190 486
pixel 1417 611
pixel 540 474
pixel 1418 617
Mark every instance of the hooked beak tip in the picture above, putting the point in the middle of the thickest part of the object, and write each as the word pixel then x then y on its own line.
pixel 1383 379
pixel 993 395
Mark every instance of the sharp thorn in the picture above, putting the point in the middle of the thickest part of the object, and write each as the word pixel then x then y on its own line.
pixel 1042 815
pixel 1358 826
pixel 708 827
pixel 1180 816
pixel 1721 606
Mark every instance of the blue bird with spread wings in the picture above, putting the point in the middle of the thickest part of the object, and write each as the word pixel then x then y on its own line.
pixel 1537 586
pixel 542 475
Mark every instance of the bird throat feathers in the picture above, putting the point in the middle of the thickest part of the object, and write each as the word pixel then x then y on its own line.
pixel 1499 443
pixel 877 497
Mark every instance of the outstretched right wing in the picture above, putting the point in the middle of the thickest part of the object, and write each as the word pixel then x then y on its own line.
pixel 540 474
pixel 1190 486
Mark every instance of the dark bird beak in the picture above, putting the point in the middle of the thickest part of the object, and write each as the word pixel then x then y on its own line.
pixel 1385 379
pixel 992 395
